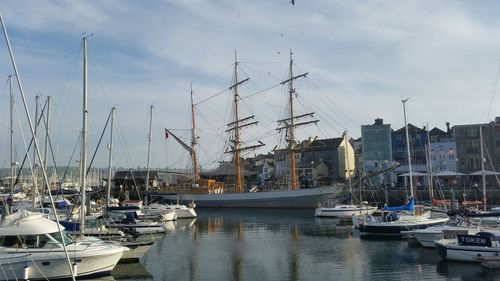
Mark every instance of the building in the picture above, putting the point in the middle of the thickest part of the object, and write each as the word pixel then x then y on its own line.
pixel 319 161
pixel 468 141
pixel 418 142
pixel 357 145
pixel 443 151
pixel 376 142
pixel 263 165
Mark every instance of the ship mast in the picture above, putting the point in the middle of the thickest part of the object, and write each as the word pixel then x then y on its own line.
pixel 194 141
pixel 235 126
pixel 408 147
pixel 289 124
pixel 483 175
pixel 236 140
pixel 149 152
pixel 110 156
pixel 12 164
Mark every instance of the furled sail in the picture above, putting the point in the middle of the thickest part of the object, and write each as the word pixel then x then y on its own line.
pixel 183 144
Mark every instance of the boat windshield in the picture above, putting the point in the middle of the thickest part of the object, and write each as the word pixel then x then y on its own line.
pixel 57 236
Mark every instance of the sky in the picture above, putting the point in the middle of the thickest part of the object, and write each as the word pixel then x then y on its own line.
pixel 361 58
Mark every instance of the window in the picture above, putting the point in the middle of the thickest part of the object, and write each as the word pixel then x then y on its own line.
pixel 57 237
pixel 10 241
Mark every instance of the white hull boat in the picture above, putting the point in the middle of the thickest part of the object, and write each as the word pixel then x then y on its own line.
pixel 470 248
pixel 41 256
pixel 158 211
pixel 427 237
pixel 183 211
pixel 397 226
pixel 344 211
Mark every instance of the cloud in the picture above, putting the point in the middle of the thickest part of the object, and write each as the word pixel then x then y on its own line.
pixel 362 57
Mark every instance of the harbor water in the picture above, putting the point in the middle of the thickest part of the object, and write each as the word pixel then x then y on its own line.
pixel 249 244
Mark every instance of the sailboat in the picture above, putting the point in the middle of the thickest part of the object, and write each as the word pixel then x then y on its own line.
pixel 38 247
pixel 209 193
pixel 345 210
pixel 399 218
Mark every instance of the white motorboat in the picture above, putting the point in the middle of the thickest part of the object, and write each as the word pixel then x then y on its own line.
pixel 182 211
pixel 428 236
pixel 149 212
pixel 32 248
pixel 470 248
pixel 158 211
pixel 344 211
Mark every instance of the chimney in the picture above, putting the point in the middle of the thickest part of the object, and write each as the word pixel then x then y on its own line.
pixel 379 121
pixel 497 119
pixel 448 130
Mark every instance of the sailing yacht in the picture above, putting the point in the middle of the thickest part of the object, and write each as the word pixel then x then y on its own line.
pixel 345 210
pixel 400 218
pixel 209 193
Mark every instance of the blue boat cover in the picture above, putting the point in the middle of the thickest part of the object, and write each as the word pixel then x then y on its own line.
pixel 70 225
pixel 410 206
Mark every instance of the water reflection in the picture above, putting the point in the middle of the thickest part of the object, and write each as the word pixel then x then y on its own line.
pixel 246 244
pixel 466 271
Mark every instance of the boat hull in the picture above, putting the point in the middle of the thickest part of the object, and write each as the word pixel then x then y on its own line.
pixel 185 213
pixel 428 237
pixel 428 240
pixel 456 252
pixel 302 198
pixel 395 228
pixel 343 212
pixel 53 265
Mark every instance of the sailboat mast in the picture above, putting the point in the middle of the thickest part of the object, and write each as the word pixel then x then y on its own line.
pixel 47 126
pixel 408 148
pixel 34 188
pixel 483 175
pixel 348 165
pixel 30 123
pixel 193 140
pixel 11 139
pixel 236 141
pixel 429 164
pixel 83 154
pixel 110 156
pixel 291 131
pixel 149 151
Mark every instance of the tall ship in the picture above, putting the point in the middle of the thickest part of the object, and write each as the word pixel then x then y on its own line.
pixel 213 193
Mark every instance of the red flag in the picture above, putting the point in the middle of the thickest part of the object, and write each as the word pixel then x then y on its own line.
pixel 166 134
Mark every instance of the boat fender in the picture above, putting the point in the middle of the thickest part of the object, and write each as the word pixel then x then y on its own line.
pixel 75 269
pixel 26 272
